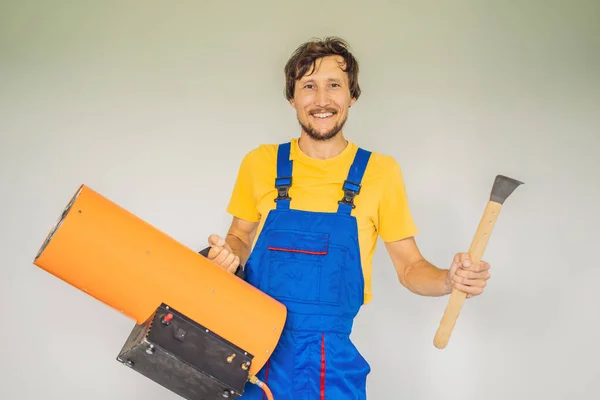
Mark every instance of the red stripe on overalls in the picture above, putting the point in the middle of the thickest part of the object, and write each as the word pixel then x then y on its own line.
pixel 323 366
pixel 297 250
pixel 266 378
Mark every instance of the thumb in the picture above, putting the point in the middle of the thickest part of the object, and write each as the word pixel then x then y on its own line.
pixel 215 240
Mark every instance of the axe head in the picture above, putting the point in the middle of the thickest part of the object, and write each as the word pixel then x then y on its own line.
pixel 503 187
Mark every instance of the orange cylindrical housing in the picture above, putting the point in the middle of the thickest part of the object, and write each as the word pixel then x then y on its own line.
pixel 126 263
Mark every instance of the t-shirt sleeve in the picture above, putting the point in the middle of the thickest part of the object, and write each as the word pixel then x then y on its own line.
pixel 242 203
pixel 395 219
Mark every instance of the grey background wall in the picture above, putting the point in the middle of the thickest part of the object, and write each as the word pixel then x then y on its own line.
pixel 154 103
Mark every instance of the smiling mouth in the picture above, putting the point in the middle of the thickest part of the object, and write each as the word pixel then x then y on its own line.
pixel 323 115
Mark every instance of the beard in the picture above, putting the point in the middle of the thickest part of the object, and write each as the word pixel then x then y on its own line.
pixel 323 136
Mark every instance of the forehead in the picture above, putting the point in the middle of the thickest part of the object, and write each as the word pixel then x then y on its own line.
pixel 330 67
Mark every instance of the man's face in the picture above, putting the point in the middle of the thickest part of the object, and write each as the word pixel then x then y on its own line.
pixel 322 99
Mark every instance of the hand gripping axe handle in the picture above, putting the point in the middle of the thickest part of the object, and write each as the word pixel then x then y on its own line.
pixel 503 187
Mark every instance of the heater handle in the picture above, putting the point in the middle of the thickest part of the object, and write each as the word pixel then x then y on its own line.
pixel 239 272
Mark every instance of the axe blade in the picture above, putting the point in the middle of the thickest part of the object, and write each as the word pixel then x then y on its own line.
pixel 503 187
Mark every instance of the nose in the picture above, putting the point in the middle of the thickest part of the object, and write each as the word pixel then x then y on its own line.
pixel 322 98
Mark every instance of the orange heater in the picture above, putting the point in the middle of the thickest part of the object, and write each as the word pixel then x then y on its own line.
pixel 199 331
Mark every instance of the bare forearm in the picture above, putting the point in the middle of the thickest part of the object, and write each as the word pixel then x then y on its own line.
pixel 424 278
pixel 234 249
pixel 240 246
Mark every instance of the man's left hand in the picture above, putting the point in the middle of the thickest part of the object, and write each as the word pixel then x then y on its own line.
pixel 467 276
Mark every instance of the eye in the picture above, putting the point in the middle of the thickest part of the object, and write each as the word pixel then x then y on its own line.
pixel 308 86
pixel 335 84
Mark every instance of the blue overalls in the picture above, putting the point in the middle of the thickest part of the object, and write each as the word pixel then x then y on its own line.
pixel 310 261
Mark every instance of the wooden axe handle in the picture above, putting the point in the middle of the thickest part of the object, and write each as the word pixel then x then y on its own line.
pixel 457 298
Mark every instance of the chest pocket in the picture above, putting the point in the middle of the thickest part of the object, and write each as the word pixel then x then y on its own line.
pixel 305 267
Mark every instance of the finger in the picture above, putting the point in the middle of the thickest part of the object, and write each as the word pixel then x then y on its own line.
pixel 465 260
pixel 456 263
pixel 480 283
pixel 216 240
pixel 483 266
pixel 228 260
pixel 462 260
pixel 480 266
pixel 234 265
pixel 477 282
pixel 469 282
pixel 452 271
pixel 457 258
pixel 472 290
pixel 214 252
pixel 470 274
pixel 213 239
pixel 223 254
pixel 220 254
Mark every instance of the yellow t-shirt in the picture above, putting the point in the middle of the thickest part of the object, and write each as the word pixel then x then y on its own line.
pixel 381 206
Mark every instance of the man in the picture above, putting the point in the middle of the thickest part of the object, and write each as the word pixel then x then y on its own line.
pixel 306 217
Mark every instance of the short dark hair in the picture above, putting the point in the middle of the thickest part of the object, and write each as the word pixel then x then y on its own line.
pixel 304 57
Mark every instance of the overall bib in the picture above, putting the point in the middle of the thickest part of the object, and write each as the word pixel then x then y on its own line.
pixel 310 261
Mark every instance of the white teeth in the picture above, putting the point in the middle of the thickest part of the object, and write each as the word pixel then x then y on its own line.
pixel 323 115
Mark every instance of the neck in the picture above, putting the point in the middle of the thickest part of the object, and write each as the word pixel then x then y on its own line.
pixel 322 150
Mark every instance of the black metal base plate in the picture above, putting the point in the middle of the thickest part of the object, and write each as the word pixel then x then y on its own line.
pixel 186 358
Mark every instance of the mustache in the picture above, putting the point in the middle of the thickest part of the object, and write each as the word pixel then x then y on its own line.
pixel 323 110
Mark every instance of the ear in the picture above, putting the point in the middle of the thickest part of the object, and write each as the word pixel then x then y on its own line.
pixel 352 101
pixel 292 102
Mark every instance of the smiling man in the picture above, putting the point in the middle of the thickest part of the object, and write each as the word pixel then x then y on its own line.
pixel 321 111
pixel 306 218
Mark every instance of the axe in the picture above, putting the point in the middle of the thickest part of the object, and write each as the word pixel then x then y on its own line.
pixel 503 187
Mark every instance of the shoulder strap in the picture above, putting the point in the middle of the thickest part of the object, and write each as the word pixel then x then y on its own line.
pixel 283 181
pixel 352 185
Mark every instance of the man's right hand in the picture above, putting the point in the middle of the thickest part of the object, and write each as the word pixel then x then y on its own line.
pixel 222 254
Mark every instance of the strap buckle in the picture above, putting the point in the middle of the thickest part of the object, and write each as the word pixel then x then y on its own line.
pixel 283 185
pixel 351 189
